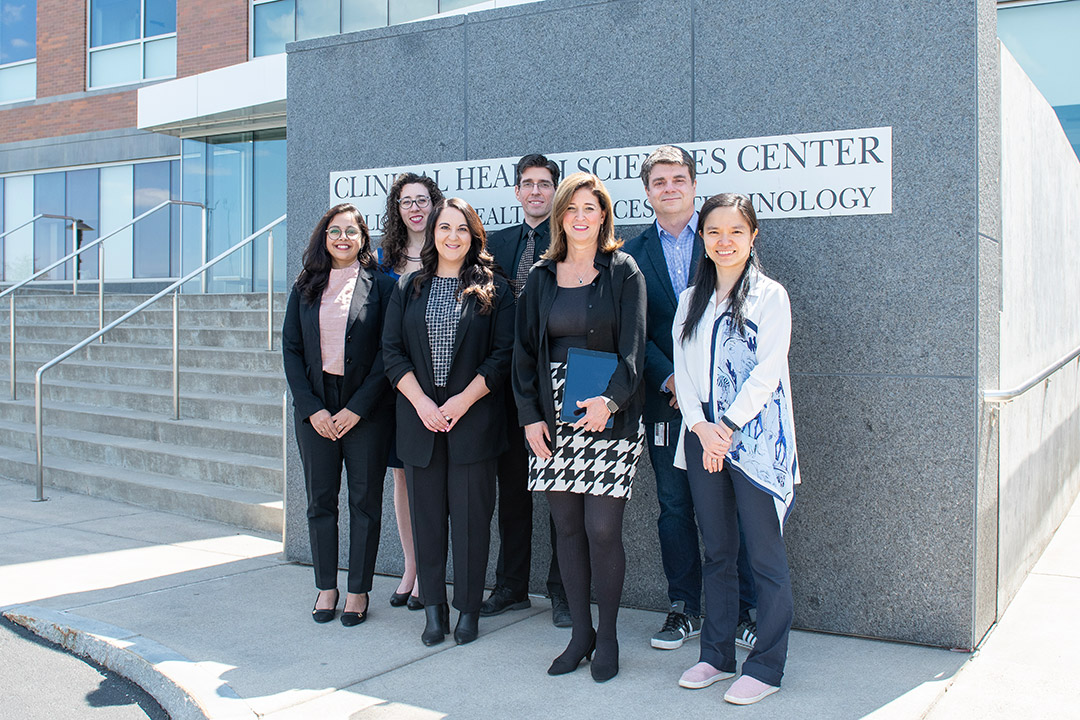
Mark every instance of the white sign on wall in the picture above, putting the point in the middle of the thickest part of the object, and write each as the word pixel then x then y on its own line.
pixel 847 172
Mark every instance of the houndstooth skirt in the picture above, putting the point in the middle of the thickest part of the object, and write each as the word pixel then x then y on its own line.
pixel 582 462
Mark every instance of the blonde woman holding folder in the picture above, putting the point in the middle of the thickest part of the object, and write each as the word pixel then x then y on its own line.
pixel 584 293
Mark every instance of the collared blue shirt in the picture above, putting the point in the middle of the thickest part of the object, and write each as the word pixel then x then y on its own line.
pixel 678 252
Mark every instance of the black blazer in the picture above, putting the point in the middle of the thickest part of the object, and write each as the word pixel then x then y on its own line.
pixel 659 350
pixel 507 245
pixel 483 346
pixel 364 382
pixel 616 321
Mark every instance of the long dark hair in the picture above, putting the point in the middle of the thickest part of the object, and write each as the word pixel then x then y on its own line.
pixel 317 262
pixel 395 234
pixel 477 275
pixel 704 282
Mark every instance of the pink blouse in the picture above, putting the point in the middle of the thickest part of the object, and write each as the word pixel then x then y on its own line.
pixel 334 316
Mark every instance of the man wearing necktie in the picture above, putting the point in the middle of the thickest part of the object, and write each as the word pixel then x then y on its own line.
pixel 516 249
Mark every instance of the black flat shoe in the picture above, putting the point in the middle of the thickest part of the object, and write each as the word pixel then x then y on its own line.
pixel 568 662
pixel 352 619
pixel 467 627
pixel 325 616
pixel 438 624
pixel 399 599
pixel 606 664
pixel 415 604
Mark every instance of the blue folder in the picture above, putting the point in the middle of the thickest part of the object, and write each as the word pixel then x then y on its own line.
pixel 588 373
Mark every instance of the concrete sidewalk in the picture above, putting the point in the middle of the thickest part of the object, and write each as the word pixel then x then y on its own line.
pixel 213 623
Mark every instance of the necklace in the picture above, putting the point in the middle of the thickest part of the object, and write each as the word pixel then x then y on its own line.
pixel 410 258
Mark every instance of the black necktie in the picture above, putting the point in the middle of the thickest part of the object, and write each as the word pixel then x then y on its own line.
pixel 525 262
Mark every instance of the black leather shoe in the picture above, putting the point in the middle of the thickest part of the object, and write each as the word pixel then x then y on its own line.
pixel 399 599
pixel 325 616
pixel 606 663
pixel 351 619
pixel 568 662
pixel 467 627
pixel 503 599
pixel 438 624
pixel 414 603
pixel 560 612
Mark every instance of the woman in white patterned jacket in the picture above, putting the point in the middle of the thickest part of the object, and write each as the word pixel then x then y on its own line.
pixel 732 331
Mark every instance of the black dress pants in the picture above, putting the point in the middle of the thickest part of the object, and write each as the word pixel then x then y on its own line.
pixel 515 522
pixel 464 495
pixel 363 450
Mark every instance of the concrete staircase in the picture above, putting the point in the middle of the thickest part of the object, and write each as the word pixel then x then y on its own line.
pixel 108 421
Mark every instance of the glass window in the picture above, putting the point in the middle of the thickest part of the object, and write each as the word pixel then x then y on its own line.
pixel 317 18
pixel 406 10
pixel 131 41
pixel 269 204
pixel 448 5
pixel 52 238
pixel 273 26
pixel 228 197
pixel 82 203
pixel 153 248
pixel 115 194
pixel 18 48
pixel 18 30
pixel 363 15
pixel 19 245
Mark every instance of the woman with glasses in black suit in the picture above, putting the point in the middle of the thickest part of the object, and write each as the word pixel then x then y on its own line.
pixel 447 345
pixel 331 346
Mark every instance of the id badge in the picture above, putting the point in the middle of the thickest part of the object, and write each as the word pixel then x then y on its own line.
pixel 660 434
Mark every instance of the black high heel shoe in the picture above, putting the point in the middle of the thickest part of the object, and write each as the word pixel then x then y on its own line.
pixel 438 624
pixel 399 599
pixel 568 663
pixel 351 619
pixel 606 664
pixel 414 603
pixel 467 627
pixel 325 616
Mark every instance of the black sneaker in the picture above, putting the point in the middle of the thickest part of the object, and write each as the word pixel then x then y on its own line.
pixel 677 628
pixel 501 600
pixel 560 612
pixel 746 634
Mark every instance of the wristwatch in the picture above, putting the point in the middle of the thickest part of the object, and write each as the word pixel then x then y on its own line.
pixel 611 406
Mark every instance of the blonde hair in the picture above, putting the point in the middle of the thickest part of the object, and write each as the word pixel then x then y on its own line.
pixel 606 241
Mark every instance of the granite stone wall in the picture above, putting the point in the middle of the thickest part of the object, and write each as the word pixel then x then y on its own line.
pixel 894 523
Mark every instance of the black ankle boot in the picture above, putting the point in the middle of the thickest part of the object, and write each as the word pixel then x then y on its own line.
pixel 467 627
pixel 605 664
pixel 438 624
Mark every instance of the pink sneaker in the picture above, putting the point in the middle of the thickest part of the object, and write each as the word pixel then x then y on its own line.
pixel 702 675
pixel 747 691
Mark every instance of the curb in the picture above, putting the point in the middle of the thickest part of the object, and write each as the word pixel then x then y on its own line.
pixel 184 689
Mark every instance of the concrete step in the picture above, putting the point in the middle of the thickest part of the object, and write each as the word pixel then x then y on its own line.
pixel 199 405
pixel 155 316
pixel 132 375
pixel 222 467
pixel 239 359
pixel 208 501
pixel 264 441
pixel 162 337
pixel 125 301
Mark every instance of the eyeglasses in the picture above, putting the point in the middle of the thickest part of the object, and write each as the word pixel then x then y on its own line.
pixel 352 233
pixel 529 185
pixel 421 202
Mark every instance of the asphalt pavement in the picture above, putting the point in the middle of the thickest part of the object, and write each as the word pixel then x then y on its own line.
pixel 214 623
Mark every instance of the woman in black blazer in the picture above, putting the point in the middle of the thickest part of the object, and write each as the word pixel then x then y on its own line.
pixel 447 344
pixel 343 405
pixel 584 293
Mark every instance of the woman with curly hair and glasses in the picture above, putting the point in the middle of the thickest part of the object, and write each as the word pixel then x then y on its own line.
pixel 408 205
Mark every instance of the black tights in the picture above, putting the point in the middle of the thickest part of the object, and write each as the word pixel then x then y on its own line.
pixel 589 529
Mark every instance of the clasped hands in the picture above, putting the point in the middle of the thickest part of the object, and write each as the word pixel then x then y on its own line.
pixel 333 427
pixel 715 442
pixel 442 418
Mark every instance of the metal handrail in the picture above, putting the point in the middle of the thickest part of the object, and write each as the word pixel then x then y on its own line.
pixel 35 219
pixel 1004 396
pixel 10 292
pixel 175 290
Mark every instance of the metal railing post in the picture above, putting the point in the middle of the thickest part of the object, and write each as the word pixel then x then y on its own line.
pixel 270 293
pixel 176 354
pixel 11 340
pixel 38 435
pixel 101 291
pixel 74 259
pixel 202 244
